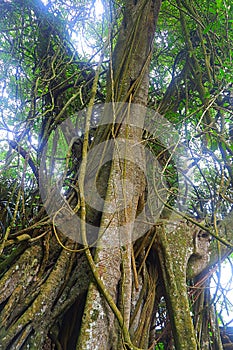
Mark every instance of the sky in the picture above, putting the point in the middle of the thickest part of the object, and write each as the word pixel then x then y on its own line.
pixel 227 284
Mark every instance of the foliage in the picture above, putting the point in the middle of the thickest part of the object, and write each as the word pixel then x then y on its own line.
pixel 48 65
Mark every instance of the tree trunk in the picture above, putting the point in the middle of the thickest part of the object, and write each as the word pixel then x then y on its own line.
pixel 128 82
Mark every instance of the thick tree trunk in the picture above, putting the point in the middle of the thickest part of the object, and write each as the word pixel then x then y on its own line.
pixel 128 82
pixel 175 248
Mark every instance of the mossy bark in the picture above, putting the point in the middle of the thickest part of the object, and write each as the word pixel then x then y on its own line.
pixel 175 248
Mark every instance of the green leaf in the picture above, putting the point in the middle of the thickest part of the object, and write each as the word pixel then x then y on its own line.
pixel 219 3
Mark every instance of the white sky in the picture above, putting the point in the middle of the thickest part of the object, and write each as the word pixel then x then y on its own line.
pixel 226 282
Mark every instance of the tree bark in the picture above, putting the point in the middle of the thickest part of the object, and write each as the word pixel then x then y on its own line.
pixel 128 82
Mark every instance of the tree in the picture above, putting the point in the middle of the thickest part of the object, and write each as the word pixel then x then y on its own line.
pixel 150 291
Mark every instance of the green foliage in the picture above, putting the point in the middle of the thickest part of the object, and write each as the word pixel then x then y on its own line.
pixel 190 82
pixel 48 55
